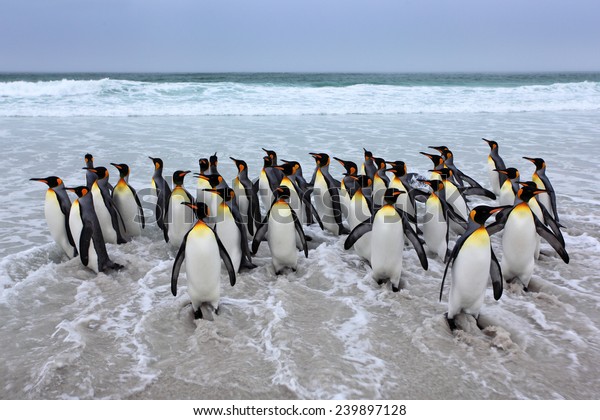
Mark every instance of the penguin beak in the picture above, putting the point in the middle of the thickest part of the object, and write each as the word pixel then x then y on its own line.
pixel 45 181
pixel 502 171
pixel 190 205
pixel 116 166
pixel 91 170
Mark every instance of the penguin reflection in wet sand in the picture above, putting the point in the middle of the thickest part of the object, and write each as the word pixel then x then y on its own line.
pixel 163 192
pixel 128 203
pixel 388 225
pixel 56 209
pixel 473 263
pixel 282 224
pixel 202 251
pixel 87 233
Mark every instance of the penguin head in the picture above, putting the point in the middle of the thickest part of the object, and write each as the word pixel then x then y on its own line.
pixel 287 168
pixel 158 163
pixel 511 173
pixel 368 154
pixel 436 159
pixel 200 209
pixel 398 167
pixel 363 181
pixel 493 145
pixel 214 160
pixel 447 155
pixel 538 162
pixel 240 164
pixel 178 177
pixel 123 169
pixel 89 160
pixel 349 166
pixel 213 180
pixel 100 171
pixel 79 191
pixel 282 193
pixel 268 162
pixel 391 194
pixel 204 165
pixel 322 159
pixel 481 213
pixel 528 190
pixel 380 163
pixel 441 149
pixel 225 193
pixel 445 173
pixel 271 153
pixel 435 184
pixel 297 166
pixel 51 181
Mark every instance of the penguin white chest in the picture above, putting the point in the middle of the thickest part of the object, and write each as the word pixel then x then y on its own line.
pixel 125 202
pixel 359 212
pixel 519 244
pixel 494 176
pixel 76 226
pixel 387 245
pixel 203 267
pixel 435 226
pixel 282 237
pixel 181 217
pixel 56 222
pixel 230 235
pixel 108 231
pixel 323 203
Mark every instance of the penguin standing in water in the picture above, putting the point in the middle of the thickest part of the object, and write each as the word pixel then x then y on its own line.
pixel 305 192
pixel 473 263
pixel 359 210
pixel 128 203
pixel 231 230
pixel 90 176
pixel 388 227
pixel 87 233
pixel 327 196
pixel 56 209
pixel 246 197
pixel 369 168
pixel 203 196
pixel 548 198
pixel 508 190
pixel 348 185
pixel 268 181
pixel 111 221
pixel 438 164
pixel 405 201
pixel 180 218
pixel 163 192
pixel 520 241
pixel 202 251
pixel 282 224
pixel 380 182
pixel 495 162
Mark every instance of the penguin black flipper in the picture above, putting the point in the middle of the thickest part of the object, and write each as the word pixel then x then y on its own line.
pixel 260 234
pixel 451 213
pixel 226 260
pixel 415 194
pixel 413 238
pixel 358 232
pixel 553 224
pixel 463 177
pixel 501 219
pixel 457 246
pixel 177 264
pixel 85 239
pixel 300 231
pixel 334 193
pixel 496 275
pixel 140 208
pixel 311 210
pixel 246 257
pixel 554 242
pixel 479 191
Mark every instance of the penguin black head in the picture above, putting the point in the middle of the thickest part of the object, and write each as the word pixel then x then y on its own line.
pixel 271 154
pixel 213 180
pixel 123 169
pixel 363 181
pixel 349 166
pixel 158 163
pixel 538 162
pixel 51 181
pixel 287 168
pixel 240 164
pixel 368 155
pixel 481 213
pixel 511 173
pixel 528 191
pixel 282 193
pixel 200 209
pixel 204 165
pixel 89 160
pixel 322 159
pixel 493 145
pixel 380 163
pixel 391 194
pixel 436 159
pixel 178 177
pixel 79 191
pixel 529 184
pixel 225 193
pixel 441 149
pixel 446 154
pixel 445 173
pixel 268 162
pixel 101 171
pixel 435 184
pixel 214 160
pixel 399 166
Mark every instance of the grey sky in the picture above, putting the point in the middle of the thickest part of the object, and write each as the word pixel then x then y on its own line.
pixel 299 35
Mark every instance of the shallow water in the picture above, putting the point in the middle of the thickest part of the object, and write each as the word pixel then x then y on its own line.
pixel 326 331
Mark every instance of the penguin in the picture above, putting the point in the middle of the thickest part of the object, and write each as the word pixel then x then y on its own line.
pixel 438 164
pixel 111 221
pixel 202 251
pixel 348 184
pixel 327 197
pixel 436 224
pixel 454 197
pixel 508 190
pixel 90 176
pixel 473 263
pixel 305 191
pixel 231 230
pixel 213 162
pixel 57 206
pixel 519 238
pixel 380 182
pixel 246 197
pixel 548 198
pixel 128 203
pixel 459 176
pixel 388 226
pixel 202 184
pixel 368 167
pixel 87 233
pixel 359 210
pixel 495 162
pixel 162 191
pixel 282 225
pixel 213 200
pixel 406 201
pixel 179 219
pixel 269 179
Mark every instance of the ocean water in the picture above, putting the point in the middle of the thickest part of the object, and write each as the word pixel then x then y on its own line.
pixel 327 331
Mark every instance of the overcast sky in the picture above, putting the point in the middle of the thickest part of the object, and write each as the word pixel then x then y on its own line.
pixel 299 35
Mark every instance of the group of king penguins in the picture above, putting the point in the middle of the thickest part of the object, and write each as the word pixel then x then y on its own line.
pixel 376 207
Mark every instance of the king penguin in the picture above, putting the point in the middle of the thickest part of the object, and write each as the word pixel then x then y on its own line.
pixel 111 221
pixel 203 196
pixel 368 167
pixel 282 225
pixel 359 210
pixel 246 197
pixel 179 218
pixel 56 209
pixel 495 162
pixel 202 251
pixel 548 198
pixel 327 196
pixel 388 226
pixel 128 203
pixel 162 191
pixel 348 185
pixel 268 181
pixel 380 182
pixel 87 234
pixel 473 263
pixel 508 190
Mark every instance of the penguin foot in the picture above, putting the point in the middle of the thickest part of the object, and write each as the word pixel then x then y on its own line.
pixel 395 289
pixel 308 238
pixel 121 241
pixel 450 322
pixel 380 282
pixel 217 310
pixel 198 314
